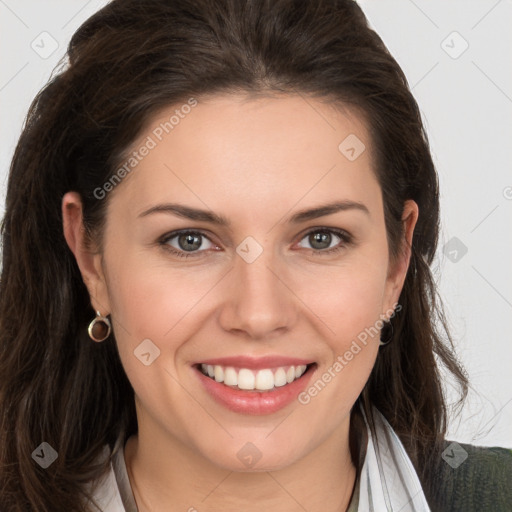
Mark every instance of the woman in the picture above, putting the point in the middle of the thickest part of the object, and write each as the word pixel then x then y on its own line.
pixel 215 291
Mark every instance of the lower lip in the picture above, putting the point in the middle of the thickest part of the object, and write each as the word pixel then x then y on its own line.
pixel 255 402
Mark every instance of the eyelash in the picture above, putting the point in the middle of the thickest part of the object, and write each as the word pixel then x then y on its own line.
pixel 346 239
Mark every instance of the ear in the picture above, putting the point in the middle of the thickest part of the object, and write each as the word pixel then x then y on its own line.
pixel 398 269
pixel 89 261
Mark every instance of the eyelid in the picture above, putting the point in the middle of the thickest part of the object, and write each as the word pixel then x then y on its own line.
pixel 187 231
pixel 342 233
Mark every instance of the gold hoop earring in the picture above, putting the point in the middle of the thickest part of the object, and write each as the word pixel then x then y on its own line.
pixel 99 329
pixel 389 327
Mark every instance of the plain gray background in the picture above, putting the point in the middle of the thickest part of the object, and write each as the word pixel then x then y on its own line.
pixel 457 58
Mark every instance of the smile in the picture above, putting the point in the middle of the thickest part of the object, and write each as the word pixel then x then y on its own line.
pixel 254 386
pixel 259 380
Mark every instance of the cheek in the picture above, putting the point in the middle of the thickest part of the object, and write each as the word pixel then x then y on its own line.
pixel 152 299
pixel 349 307
pixel 150 302
pixel 347 298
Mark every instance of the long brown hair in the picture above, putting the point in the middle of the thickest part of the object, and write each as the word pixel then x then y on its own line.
pixel 126 62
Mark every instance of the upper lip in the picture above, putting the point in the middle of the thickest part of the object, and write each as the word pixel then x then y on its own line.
pixel 256 363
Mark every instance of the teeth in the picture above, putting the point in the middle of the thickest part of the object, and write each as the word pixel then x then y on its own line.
pixel 280 377
pixel 245 379
pixel 264 379
pixel 219 373
pixel 260 380
pixel 230 377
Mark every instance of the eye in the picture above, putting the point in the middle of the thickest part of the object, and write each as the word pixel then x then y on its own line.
pixel 320 240
pixel 186 243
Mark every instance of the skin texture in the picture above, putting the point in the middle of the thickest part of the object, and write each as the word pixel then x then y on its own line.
pixel 256 161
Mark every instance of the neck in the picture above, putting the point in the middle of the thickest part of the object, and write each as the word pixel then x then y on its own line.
pixel 167 476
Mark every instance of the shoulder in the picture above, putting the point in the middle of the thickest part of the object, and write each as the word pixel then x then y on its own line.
pixel 474 478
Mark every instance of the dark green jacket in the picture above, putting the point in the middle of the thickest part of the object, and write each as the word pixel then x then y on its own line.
pixel 482 482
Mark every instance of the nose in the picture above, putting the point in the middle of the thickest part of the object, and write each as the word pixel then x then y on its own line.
pixel 259 304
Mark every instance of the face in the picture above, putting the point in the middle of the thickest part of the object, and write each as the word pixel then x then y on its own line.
pixel 248 243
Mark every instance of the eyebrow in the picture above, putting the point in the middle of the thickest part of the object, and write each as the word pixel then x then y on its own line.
pixel 196 214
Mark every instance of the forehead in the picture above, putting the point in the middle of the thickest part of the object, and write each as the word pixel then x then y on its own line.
pixel 266 149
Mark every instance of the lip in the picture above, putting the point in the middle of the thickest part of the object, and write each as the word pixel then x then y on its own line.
pixel 254 402
pixel 255 363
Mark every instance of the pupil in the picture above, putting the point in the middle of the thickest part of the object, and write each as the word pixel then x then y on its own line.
pixel 189 239
pixel 324 239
